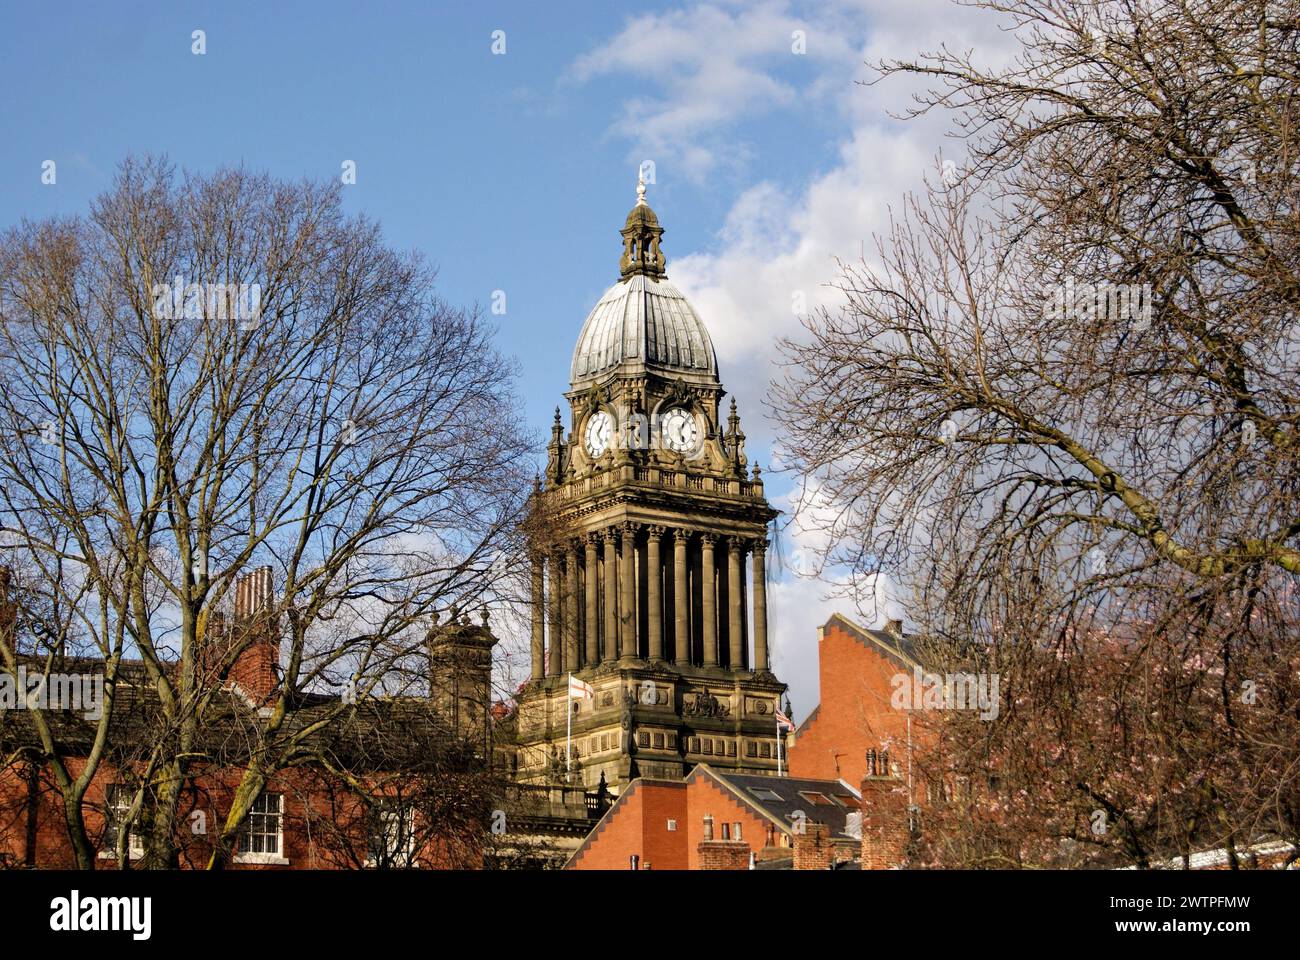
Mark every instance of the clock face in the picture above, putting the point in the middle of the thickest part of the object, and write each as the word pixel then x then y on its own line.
pixel 600 431
pixel 680 430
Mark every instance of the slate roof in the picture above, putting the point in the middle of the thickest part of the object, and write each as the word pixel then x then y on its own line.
pixel 399 732
pixel 832 802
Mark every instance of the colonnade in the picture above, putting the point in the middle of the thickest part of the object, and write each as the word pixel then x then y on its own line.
pixel 649 592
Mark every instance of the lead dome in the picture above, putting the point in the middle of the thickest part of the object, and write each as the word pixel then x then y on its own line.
pixel 643 323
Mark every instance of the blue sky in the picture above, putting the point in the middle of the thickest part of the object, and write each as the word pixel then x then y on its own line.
pixel 504 170
pixel 514 172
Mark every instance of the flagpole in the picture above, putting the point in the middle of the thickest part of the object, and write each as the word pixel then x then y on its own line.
pixel 568 736
pixel 778 748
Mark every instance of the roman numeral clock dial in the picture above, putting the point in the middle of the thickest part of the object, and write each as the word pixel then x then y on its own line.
pixel 600 431
pixel 680 432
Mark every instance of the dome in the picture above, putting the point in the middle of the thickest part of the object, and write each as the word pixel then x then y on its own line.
pixel 643 322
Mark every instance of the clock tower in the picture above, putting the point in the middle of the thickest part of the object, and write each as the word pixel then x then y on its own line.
pixel 649 545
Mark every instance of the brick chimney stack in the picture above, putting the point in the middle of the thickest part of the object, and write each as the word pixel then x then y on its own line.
pixel 256 669
pixel 723 855
pixel 885 831
pixel 813 849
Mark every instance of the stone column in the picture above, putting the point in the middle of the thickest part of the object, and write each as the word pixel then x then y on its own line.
pixel 611 596
pixel 571 589
pixel 553 585
pixel 681 600
pixel 539 618
pixel 760 604
pixel 654 592
pixel 627 598
pixel 710 605
pixel 591 622
pixel 735 601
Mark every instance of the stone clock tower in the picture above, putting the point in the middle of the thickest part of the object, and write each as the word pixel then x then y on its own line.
pixel 649 553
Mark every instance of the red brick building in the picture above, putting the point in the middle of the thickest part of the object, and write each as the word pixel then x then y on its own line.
pixel 856 668
pixel 382 782
pixel 815 818
pixel 718 820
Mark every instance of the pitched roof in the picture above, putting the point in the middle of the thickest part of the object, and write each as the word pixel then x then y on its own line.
pixel 901 647
pixel 782 800
pixel 405 733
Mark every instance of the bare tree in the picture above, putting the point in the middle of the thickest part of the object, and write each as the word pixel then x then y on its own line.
pixel 1063 404
pixel 209 374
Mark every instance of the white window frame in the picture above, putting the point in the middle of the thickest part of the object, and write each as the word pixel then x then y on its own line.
pixel 117 801
pixel 245 834
pixel 389 813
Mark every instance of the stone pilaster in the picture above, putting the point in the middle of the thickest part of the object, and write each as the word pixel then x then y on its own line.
pixel 760 605
pixel 710 604
pixel 591 578
pixel 571 589
pixel 610 597
pixel 681 599
pixel 539 618
pixel 627 592
pixel 735 603
pixel 654 592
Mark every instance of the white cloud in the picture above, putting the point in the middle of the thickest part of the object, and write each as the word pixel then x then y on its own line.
pixel 713 66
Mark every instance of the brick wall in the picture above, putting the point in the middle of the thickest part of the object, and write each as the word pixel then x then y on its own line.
pixel 324 825
pixel 855 713
pixel 639 824
pixel 813 849
pixel 885 832
pixel 722 855
pixel 706 799
pixel 256 669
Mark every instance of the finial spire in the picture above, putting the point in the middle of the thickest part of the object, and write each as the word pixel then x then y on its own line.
pixel 641 233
